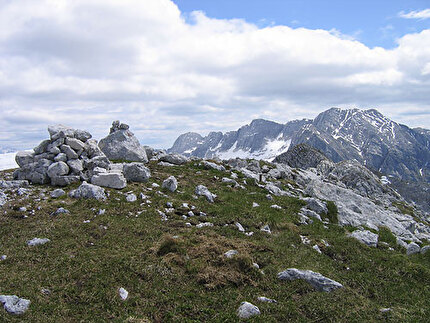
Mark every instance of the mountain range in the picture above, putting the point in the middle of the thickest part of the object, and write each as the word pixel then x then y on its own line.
pixel 367 136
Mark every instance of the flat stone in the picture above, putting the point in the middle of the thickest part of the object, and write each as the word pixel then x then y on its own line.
pixel 123 294
pixel 37 241
pixel 64 180
pixel 111 180
pixel 316 280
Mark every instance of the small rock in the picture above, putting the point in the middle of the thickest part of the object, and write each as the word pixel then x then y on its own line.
pixel 202 190
pixel 274 206
pixel 385 310
pixel 425 249
pixel 255 204
pixel 231 253
pixel 204 224
pixel 170 183
pixel 266 300
pixel 269 197
pixel 37 241
pixel 88 191
pixel 131 198
pixel 123 293
pixel 316 248
pixel 266 229
pixel 255 265
pixel 247 310
pixel 22 209
pixel 111 180
pixel 412 248
pixel 169 204
pixel 57 193
pixel 239 227
pixel 61 210
pixel 14 304
pixel 3 257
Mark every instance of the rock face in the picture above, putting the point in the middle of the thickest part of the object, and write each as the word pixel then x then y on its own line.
pixel 301 156
pixel 14 304
pixel 121 144
pixel 247 310
pixel 317 281
pixel 366 237
pixel 67 157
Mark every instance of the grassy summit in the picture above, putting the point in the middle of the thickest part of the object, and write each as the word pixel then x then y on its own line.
pixel 178 273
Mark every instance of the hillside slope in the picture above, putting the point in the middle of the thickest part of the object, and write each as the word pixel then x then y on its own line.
pixel 172 262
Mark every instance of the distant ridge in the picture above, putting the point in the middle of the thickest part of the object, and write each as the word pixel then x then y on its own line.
pixel 341 134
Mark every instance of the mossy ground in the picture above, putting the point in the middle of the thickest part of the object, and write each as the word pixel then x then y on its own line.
pixel 179 274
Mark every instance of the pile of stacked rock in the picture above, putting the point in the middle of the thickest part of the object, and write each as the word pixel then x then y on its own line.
pixel 70 155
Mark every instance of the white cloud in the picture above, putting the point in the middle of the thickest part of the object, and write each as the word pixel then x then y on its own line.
pixel 88 62
pixel 418 14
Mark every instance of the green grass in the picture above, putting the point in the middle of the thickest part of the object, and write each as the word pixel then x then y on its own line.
pixel 179 274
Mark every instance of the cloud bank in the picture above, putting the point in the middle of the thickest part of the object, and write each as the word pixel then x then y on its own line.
pixel 419 14
pixel 85 63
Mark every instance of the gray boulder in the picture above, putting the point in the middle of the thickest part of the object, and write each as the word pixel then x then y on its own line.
pixel 60 157
pixel 121 144
pixel 202 190
pixel 366 237
pixel 209 165
pixel 75 144
pixel 170 183
pixel 316 280
pixel 136 172
pixel 57 193
pixel 58 169
pixel 64 180
pixel 174 159
pixel 76 166
pixel 425 249
pixel 60 131
pixel 24 158
pixel 42 147
pixel 14 304
pixel 412 248
pixel 88 191
pixel 247 310
pixel 70 153
pixel 82 135
pixel 111 180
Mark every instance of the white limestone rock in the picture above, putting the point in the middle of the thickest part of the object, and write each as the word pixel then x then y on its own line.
pixel 14 304
pixel 111 180
pixel 247 310
pixel 316 280
pixel 202 190
pixel 170 183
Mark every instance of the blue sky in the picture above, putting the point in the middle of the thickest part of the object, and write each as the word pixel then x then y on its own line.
pixel 168 67
pixel 373 22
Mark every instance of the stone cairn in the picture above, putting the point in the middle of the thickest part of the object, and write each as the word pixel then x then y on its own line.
pixel 70 155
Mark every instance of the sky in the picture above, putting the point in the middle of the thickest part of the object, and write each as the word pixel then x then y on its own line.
pixel 168 67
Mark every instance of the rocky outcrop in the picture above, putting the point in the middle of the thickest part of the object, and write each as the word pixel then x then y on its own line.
pixel 121 144
pixel 301 156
